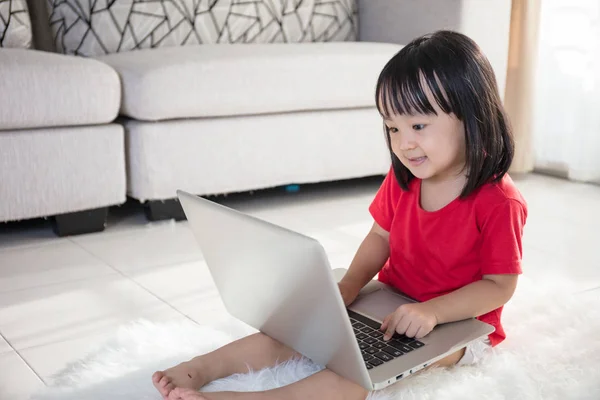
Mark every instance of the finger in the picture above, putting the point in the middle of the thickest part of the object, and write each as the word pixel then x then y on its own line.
pixel 391 328
pixel 412 329
pixel 385 322
pixel 403 326
pixel 424 331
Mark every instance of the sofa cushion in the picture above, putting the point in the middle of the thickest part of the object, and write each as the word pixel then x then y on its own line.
pixel 15 24
pixel 42 89
pixel 226 80
pixel 91 28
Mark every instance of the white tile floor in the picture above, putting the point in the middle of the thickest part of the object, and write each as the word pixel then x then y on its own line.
pixel 59 298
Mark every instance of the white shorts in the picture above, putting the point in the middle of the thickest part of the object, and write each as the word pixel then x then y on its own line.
pixel 475 352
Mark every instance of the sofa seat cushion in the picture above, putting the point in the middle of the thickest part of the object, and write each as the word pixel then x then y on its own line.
pixel 41 89
pixel 228 80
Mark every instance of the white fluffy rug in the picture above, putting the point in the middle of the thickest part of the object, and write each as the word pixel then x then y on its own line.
pixel 553 352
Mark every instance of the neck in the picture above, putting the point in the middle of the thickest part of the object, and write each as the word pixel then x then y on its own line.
pixel 439 191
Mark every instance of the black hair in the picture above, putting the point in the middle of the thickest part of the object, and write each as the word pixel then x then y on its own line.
pixel 463 83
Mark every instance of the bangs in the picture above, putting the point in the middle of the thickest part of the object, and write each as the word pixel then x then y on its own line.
pixel 403 90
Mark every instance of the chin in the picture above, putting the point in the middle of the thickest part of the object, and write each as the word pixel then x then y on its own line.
pixel 422 176
pixel 422 173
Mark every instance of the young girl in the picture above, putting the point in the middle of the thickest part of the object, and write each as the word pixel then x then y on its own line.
pixel 447 225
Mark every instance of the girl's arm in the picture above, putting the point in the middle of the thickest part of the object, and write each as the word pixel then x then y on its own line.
pixel 368 261
pixel 476 299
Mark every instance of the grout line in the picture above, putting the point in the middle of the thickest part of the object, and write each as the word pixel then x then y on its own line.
pixel 22 359
pixel 124 275
pixel 45 285
pixel 28 246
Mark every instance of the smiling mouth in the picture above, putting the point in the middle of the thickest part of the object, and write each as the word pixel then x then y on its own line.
pixel 417 160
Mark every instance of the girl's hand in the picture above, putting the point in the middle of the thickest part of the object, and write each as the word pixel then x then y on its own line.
pixel 413 320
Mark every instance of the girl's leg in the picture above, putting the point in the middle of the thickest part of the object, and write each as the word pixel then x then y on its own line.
pixel 255 352
pixel 324 385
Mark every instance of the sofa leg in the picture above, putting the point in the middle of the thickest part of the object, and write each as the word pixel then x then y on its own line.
pixel 78 223
pixel 158 210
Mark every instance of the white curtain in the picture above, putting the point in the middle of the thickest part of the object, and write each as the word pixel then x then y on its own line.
pixel 566 122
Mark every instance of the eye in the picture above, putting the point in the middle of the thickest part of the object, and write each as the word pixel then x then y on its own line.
pixel 418 127
pixel 392 129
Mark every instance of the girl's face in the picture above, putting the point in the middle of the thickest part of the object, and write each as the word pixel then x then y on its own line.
pixel 432 146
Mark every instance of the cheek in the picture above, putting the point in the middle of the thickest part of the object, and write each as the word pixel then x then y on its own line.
pixel 395 144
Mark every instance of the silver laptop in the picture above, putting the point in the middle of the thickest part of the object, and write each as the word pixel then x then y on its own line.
pixel 280 282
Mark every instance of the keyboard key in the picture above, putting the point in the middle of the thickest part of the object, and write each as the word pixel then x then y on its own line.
pixel 367 357
pixel 416 344
pixel 404 348
pixel 403 339
pixel 366 329
pixel 384 356
pixel 363 346
pixel 380 345
pixel 362 336
pixel 377 335
pixel 372 350
pixel 375 362
pixel 369 340
pixel 394 352
pixel 369 366
pixel 356 332
pixel 369 322
pixel 358 325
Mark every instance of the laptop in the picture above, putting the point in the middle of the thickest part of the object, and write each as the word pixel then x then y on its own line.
pixel 280 282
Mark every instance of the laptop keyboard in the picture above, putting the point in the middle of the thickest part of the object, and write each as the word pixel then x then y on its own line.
pixel 374 349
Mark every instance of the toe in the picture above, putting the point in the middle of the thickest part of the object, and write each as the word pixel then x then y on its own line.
pixel 181 394
pixel 162 385
pixel 169 388
pixel 157 376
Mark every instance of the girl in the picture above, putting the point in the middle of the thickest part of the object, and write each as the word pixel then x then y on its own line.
pixel 447 225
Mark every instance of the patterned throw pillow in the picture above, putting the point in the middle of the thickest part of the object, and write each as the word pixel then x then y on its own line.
pixel 95 27
pixel 15 25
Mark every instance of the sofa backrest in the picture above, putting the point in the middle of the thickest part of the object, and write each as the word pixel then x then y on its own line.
pixel 15 24
pixel 97 27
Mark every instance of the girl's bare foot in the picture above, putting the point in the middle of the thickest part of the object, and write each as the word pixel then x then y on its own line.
pixel 185 375
pixel 191 394
pixel 185 394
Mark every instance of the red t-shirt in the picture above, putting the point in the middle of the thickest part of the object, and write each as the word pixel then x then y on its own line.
pixel 435 253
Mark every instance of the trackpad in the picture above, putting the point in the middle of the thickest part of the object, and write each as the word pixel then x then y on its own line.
pixel 378 304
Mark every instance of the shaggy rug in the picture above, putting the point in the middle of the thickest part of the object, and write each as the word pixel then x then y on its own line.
pixel 553 352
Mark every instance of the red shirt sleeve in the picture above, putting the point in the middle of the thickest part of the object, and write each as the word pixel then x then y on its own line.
pixel 383 206
pixel 502 230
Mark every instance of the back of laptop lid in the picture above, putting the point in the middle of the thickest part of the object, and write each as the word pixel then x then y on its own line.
pixel 278 282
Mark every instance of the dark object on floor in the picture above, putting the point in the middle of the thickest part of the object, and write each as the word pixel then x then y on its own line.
pixel 78 223
pixel 158 210
pixel 292 188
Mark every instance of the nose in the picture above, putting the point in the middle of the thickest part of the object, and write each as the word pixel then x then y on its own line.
pixel 404 141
